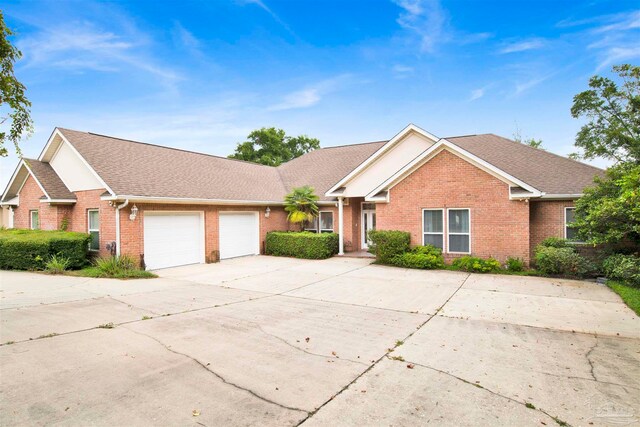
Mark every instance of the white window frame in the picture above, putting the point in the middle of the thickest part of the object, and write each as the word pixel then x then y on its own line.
pixel 317 222
pixel 31 212
pixel 424 233
pixel 564 229
pixel 458 234
pixel 89 229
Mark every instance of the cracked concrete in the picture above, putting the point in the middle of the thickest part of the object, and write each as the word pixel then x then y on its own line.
pixel 278 341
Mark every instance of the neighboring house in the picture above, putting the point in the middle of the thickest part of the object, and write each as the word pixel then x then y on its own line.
pixel 478 194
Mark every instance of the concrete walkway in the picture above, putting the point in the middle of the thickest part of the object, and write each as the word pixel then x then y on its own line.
pixel 278 341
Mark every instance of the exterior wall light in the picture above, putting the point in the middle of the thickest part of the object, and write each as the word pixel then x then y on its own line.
pixel 134 213
pixel 267 212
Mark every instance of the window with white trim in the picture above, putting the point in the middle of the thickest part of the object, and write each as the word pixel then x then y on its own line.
pixel 34 220
pixel 325 222
pixel 433 227
pixel 93 227
pixel 459 231
pixel 570 233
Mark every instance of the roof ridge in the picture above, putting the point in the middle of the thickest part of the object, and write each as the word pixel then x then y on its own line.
pixel 545 151
pixel 167 147
pixel 353 145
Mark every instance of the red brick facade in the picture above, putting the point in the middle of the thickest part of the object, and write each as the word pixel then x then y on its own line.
pixel 499 226
pixel 547 220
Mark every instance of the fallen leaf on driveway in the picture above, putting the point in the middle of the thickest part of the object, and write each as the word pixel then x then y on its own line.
pixel 411 366
pixel 307 339
pixel 195 413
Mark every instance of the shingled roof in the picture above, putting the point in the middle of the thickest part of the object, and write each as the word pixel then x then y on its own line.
pixel 543 170
pixel 49 179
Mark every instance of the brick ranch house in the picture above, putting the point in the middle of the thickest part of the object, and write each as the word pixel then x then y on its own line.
pixel 477 194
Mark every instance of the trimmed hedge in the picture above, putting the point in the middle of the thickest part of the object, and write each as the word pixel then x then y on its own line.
pixel 425 257
pixel 31 249
pixel 564 261
pixel 386 244
pixel 301 244
pixel 476 265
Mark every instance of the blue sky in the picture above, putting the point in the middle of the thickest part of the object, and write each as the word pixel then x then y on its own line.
pixel 201 75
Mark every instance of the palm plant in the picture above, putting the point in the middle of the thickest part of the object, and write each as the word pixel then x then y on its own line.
pixel 302 205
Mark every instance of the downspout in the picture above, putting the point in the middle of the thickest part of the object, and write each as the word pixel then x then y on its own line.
pixel 118 208
pixel 340 226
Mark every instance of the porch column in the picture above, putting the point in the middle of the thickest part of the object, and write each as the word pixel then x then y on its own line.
pixel 340 226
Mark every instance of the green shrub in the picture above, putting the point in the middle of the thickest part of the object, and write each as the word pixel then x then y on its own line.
pixel 425 257
pixel 562 261
pixel 515 264
pixel 301 244
pixel 31 249
pixel 117 267
pixel 625 268
pixel 386 244
pixel 476 265
pixel 56 264
pixel 555 242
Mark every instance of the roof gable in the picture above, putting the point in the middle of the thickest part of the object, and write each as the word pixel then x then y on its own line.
pixel 52 187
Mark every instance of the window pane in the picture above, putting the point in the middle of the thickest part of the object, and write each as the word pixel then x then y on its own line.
pixel 94 220
pixel 35 220
pixel 94 244
pixel 311 226
pixel 458 243
pixel 433 222
pixel 326 220
pixel 434 239
pixel 572 233
pixel 458 221
pixel 570 215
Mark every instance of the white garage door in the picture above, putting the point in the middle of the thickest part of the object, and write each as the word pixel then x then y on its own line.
pixel 239 234
pixel 172 239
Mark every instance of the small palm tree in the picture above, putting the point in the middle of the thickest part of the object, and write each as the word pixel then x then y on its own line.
pixel 302 205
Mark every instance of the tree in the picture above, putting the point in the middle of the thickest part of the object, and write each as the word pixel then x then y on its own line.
pixel 302 205
pixel 18 118
pixel 613 111
pixel 535 143
pixel 609 212
pixel 272 147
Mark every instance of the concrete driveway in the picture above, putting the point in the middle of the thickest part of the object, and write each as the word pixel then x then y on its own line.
pixel 277 341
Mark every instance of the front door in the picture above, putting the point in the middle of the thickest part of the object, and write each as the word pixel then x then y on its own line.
pixel 368 222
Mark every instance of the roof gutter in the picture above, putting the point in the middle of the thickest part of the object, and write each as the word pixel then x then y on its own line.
pixel 560 196
pixel 195 201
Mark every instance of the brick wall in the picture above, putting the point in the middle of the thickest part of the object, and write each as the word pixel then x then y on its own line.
pixel 547 220
pixel 30 195
pixel 499 226
pixel 132 232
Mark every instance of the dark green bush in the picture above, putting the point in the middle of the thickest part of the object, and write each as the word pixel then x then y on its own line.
pixel 625 268
pixel 555 242
pixel 301 244
pixel 515 264
pixel 476 265
pixel 564 261
pixel 386 244
pixel 31 249
pixel 425 257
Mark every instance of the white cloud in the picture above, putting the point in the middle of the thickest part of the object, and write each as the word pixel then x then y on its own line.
pixel 621 22
pixel 79 46
pixel 266 8
pixel 310 95
pixel 531 83
pixel 477 94
pixel 185 39
pixel 617 55
pixel 522 45
pixel 426 19
pixel 402 71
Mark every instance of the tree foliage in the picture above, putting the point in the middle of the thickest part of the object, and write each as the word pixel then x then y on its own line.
pixel 532 142
pixel 272 147
pixel 613 114
pixel 609 212
pixel 301 205
pixel 15 107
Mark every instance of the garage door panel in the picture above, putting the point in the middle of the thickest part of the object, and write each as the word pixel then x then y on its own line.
pixel 239 234
pixel 173 239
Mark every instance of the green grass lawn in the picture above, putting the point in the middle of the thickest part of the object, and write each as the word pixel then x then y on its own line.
pixel 93 271
pixel 630 295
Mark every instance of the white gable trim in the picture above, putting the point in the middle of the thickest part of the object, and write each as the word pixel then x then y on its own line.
pixel 386 147
pixel 436 149
pixel 57 132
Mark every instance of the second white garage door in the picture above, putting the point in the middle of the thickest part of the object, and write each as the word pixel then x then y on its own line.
pixel 173 238
pixel 239 234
